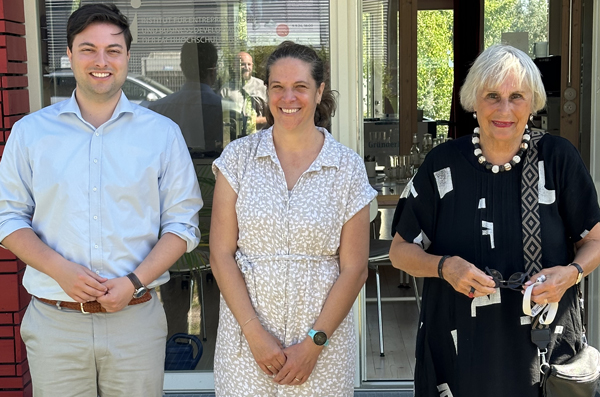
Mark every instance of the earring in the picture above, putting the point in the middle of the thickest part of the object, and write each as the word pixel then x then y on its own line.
pixel 475 115
pixel 531 117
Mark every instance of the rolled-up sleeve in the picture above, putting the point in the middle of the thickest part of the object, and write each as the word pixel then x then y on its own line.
pixel 180 197
pixel 17 203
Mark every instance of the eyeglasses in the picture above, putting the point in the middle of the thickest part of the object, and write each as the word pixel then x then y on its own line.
pixel 514 282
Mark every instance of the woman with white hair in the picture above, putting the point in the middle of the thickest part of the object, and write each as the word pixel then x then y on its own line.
pixel 467 224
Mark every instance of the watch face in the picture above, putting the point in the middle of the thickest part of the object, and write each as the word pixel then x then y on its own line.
pixel 320 338
pixel 140 292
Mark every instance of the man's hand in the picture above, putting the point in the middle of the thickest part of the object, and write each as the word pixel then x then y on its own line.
pixel 79 282
pixel 120 292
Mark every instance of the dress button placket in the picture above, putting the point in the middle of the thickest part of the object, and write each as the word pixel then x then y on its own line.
pixel 95 199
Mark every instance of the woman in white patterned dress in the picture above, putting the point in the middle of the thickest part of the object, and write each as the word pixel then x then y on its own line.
pixel 289 243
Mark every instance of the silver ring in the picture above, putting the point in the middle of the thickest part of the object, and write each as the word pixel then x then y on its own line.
pixel 269 366
pixel 298 380
pixel 541 279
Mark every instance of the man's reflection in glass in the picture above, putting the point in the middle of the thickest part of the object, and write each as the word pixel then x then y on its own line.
pixel 196 108
pixel 249 96
pixel 198 111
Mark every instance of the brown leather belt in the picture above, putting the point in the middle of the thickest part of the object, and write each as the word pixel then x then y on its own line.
pixel 91 307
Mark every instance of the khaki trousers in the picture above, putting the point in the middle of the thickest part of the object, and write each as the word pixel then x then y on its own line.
pixel 102 354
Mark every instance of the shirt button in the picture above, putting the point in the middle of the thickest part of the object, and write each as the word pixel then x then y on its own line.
pixel 96 246
pixel 95 160
pixel 95 188
pixel 98 272
pixel 97 134
pixel 95 217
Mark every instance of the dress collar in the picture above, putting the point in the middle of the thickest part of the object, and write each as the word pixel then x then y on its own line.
pixel 329 156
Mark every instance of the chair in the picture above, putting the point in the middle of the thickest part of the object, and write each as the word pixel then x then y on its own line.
pixel 197 262
pixel 379 255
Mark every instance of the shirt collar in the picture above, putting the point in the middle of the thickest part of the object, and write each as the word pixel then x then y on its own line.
pixel 329 156
pixel 71 106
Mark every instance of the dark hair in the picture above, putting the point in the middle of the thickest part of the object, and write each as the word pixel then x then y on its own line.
pixel 288 49
pixel 89 14
pixel 198 57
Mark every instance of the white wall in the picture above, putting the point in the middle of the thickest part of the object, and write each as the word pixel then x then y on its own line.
pixel 346 71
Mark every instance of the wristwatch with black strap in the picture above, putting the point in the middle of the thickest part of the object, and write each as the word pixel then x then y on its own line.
pixel 140 289
pixel 319 337
pixel 579 269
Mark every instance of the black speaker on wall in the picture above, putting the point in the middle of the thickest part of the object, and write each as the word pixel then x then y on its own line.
pixel 550 70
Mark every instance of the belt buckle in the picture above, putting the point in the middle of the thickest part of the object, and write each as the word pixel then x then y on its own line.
pixel 82 309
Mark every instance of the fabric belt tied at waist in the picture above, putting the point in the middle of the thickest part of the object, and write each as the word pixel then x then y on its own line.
pixel 91 307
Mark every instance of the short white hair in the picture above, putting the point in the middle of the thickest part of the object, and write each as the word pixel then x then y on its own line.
pixel 493 66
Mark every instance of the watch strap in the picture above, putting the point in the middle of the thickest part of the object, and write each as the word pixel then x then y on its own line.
pixel 579 269
pixel 137 284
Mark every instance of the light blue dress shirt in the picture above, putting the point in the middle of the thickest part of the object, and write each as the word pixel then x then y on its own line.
pixel 100 197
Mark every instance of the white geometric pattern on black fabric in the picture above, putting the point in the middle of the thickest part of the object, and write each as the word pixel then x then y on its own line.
pixel 443 179
pixel 546 196
pixel 422 240
pixel 454 334
pixel 486 300
pixel 444 390
pixel 408 189
pixel 488 230
pixel 525 320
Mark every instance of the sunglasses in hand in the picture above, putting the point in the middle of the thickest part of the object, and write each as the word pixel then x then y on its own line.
pixel 514 282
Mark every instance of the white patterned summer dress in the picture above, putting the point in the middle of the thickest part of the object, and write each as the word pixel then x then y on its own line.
pixel 288 254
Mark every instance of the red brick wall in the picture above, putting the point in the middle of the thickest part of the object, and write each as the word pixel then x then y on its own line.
pixel 15 380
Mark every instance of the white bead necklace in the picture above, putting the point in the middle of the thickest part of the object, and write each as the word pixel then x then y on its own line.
pixel 503 167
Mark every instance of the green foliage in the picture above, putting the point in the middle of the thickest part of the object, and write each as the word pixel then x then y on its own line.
pixel 435 54
pixel 515 16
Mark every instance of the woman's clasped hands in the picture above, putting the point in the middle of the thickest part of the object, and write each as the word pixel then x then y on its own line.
pixel 288 366
pixel 266 349
pixel 301 359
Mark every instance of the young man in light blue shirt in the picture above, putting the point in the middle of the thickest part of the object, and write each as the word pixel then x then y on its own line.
pixel 99 197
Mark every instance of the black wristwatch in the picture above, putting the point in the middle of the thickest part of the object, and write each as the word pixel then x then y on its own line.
pixel 140 289
pixel 319 337
pixel 579 269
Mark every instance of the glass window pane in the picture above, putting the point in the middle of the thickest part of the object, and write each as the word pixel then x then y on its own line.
pixel 200 63
pixel 513 16
pixel 435 62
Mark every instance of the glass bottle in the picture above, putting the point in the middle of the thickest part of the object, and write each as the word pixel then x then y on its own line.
pixel 414 152
pixel 425 147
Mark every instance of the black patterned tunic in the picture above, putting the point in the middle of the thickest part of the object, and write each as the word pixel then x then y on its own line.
pixel 454 206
